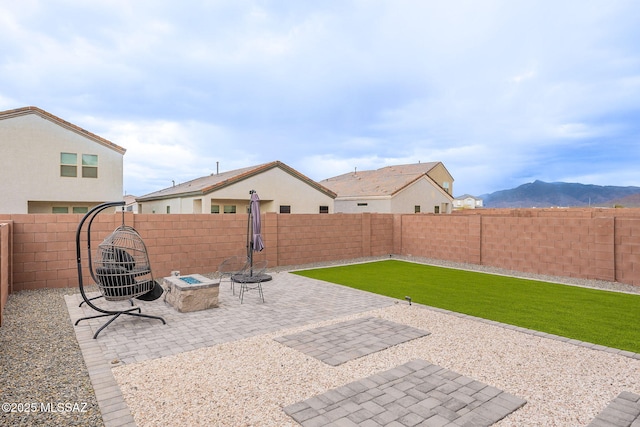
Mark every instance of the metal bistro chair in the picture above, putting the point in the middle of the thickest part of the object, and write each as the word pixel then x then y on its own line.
pixel 121 269
pixel 231 266
pixel 251 278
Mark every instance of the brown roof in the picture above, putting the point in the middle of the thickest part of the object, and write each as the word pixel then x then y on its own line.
pixel 213 182
pixel 385 181
pixel 57 120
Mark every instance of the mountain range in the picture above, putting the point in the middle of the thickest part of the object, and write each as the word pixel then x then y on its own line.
pixel 540 194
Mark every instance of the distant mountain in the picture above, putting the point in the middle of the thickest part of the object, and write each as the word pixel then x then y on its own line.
pixel 562 194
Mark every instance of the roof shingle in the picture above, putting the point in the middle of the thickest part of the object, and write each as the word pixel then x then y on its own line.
pixel 209 183
pixel 380 182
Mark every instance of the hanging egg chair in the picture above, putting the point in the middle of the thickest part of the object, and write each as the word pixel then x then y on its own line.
pixel 120 269
pixel 122 266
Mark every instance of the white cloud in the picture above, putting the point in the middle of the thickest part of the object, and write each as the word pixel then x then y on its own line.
pixel 500 91
pixel 527 75
pixel 161 152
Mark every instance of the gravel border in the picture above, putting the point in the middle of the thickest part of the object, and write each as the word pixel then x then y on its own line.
pixel 41 362
pixel 42 368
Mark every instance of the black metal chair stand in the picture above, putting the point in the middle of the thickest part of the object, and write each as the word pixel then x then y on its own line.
pixel 121 269
pixel 250 278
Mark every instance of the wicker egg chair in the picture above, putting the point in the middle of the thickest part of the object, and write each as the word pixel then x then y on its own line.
pixel 121 269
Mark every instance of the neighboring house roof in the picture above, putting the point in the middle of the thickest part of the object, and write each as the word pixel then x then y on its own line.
pixel 467 196
pixel 214 182
pixel 386 181
pixel 57 120
pixel 129 199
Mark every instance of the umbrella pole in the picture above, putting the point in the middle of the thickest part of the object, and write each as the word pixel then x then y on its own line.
pixel 250 236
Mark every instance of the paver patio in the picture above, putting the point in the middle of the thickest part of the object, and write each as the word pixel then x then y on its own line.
pixel 623 411
pixel 416 393
pixel 131 339
pixel 338 343
pixel 291 301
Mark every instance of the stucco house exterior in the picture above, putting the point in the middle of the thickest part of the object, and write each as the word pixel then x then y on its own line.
pixel 130 204
pixel 413 188
pixel 281 189
pixel 467 201
pixel 48 165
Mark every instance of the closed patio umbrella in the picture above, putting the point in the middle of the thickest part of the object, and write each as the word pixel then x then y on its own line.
pixel 248 278
pixel 254 211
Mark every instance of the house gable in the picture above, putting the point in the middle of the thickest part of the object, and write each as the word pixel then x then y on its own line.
pixel 35 149
pixel 387 181
pixel 276 183
pixel 215 182
pixel 9 114
pixel 394 189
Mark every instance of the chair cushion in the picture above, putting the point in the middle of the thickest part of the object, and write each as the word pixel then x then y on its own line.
pixel 119 257
pixel 116 282
pixel 156 292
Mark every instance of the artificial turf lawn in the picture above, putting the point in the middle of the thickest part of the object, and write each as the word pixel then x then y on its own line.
pixel 601 317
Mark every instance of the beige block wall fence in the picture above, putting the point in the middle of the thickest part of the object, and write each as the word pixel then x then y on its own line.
pixel 38 251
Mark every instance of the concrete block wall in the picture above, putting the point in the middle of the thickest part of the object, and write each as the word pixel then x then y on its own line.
pixel 44 251
pixel 446 237
pixel 381 235
pixel 5 264
pixel 190 243
pixel 581 243
pixel 627 250
pixel 601 244
pixel 310 238
pixel 560 246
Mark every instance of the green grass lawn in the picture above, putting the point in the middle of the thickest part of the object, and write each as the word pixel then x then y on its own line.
pixel 608 318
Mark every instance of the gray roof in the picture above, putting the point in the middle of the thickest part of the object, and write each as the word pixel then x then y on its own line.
pixel 385 181
pixel 213 182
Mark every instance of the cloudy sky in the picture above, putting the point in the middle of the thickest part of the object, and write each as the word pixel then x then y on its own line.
pixel 503 92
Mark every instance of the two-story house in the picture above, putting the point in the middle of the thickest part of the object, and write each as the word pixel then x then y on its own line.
pixel 48 165
pixel 467 201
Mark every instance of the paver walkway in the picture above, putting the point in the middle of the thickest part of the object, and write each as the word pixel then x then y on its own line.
pixel 338 343
pixel 623 411
pixel 416 393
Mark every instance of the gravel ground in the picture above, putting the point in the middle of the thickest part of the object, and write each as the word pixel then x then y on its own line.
pixel 42 369
pixel 248 382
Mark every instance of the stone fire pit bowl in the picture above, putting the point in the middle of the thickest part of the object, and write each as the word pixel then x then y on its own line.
pixel 192 292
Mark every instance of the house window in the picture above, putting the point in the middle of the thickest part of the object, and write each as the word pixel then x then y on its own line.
pixel 324 209
pixel 215 209
pixel 60 210
pixel 80 210
pixel 89 166
pixel 168 209
pixel 363 204
pixel 229 209
pixel 436 209
pixel 285 209
pixel 69 165
pixel 445 185
pixel 416 209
